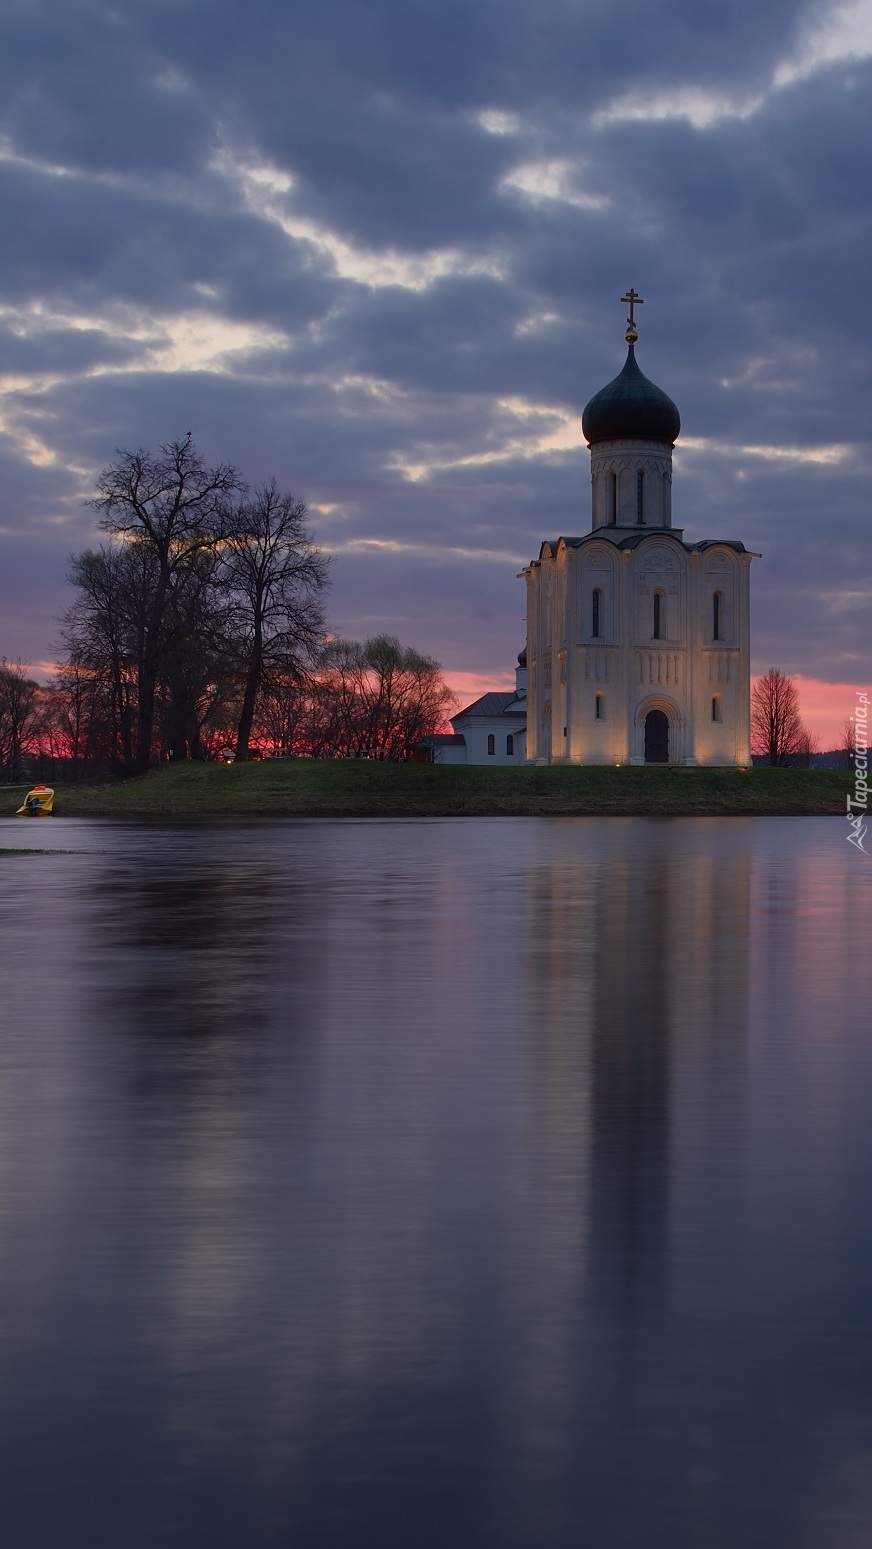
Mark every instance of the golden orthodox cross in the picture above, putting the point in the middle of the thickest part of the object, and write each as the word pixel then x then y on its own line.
pixel 635 300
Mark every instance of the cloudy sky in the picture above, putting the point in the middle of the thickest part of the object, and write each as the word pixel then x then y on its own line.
pixel 376 248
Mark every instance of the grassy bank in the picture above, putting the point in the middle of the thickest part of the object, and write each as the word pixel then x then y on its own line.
pixel 327 788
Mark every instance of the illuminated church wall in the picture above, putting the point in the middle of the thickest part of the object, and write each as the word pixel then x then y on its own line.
pixel 638 642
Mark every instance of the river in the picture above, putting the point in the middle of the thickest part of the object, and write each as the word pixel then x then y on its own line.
pixel 475 1183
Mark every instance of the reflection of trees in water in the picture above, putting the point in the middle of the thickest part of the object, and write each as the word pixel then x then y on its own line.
pixel 202 971
pixel 206 975
pixel 192 950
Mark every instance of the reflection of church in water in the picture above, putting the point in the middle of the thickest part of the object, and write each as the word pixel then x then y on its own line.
pixel 639 1057
pixel 637 642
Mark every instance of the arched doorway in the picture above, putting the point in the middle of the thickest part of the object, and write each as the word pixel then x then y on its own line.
pixel 656 737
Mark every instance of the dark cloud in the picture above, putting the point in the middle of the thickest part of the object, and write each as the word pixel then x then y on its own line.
pixel 376 250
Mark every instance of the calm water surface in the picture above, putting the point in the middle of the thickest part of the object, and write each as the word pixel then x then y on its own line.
pixel 483 1184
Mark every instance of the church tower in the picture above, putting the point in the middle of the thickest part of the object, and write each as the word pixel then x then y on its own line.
pixel 638 643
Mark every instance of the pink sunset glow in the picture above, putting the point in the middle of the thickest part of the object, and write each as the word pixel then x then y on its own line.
pixel 824 706
pixel 471 685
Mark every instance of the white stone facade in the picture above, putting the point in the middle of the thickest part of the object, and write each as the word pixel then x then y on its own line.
pixel 493 740
pixel 638 644
pixel 669 632
pixel 631 484
pixel 638 647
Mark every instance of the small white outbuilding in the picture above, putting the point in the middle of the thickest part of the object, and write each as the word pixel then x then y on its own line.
pixel 492 730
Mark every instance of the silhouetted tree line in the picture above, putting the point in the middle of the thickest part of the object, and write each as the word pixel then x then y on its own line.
pixel 375 700
pixel 197 626
pixel 21 717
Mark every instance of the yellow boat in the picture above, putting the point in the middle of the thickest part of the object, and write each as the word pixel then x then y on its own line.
pixel 37 803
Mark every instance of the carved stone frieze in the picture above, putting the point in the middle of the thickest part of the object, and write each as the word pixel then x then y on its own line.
pixel 659 559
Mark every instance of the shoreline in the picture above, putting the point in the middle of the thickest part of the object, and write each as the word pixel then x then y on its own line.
pixel 363 789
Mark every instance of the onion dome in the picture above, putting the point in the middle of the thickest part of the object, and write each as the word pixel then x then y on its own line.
pixel 630 409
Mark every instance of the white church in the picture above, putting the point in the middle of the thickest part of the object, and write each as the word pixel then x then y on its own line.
pixel 637 642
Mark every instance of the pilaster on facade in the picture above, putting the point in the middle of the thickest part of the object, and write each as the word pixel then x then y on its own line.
pixel 662 667
pixel 597 662
pixel 722 660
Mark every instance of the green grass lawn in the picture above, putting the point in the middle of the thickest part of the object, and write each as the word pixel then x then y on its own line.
pixel 348 788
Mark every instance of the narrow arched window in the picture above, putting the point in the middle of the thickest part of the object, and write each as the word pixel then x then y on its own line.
pixel 657 630
pixel 716 708
pixel 596 627
pixel 600 709
pixel 717 615
pixel 613 498
pixel 491 745
pixel 665 516
pixel 640 496
pixel 510 747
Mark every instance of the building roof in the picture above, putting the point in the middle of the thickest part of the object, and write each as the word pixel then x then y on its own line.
pixel 439 739
pixel 631 537
pixel 490 705
pixel 630 408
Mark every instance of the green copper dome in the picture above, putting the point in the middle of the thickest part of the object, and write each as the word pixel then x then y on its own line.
pixel 630 409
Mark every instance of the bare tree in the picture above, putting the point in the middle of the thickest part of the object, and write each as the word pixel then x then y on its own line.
pixel 848 741
pixel 377 700
pixel 277 577
pixel 19 717
pixel 776 725
pixel 206 601
pixel 406 698
pixel 198 655
pixel 337 711
pixel 76 727
pixel 103 632
pixel 175 507
pixel 284 718
pixel 806 745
